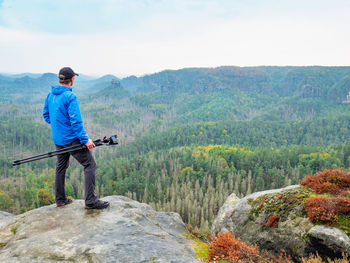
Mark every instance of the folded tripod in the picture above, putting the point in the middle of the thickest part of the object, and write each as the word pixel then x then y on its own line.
pixel 113 140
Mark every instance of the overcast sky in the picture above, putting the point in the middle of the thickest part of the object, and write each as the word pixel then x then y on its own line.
pixel 126 37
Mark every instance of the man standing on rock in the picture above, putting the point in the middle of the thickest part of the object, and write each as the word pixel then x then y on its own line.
pixel 62 111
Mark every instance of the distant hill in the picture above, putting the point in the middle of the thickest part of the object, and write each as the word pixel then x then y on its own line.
pixel 248 93
pixel 26 88
pixel 112 91
pixel 107 77
pixel 282 81
pixel 84 87
pixel 31 86
pixel 132 82
pixel 21 75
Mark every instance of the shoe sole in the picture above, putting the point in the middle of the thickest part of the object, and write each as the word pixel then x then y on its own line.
pixel 90 208
pixel 60 205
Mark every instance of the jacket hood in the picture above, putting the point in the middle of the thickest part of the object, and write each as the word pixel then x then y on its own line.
pixel 57 90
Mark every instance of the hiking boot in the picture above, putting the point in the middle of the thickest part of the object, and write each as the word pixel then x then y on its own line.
pixel 65 202
pixel 98 205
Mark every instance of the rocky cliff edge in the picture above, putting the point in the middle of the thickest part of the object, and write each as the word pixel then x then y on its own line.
pixel 128 231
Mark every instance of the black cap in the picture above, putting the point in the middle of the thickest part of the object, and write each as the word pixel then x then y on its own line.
pixel 66 73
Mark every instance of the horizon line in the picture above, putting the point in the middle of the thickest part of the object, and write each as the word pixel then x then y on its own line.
pixel 177 69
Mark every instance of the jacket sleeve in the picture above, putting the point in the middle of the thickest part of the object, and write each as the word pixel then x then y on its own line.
pixel 76 120
pixel 46 113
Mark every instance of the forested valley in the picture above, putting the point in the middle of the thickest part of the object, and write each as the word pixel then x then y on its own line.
pixel 188 138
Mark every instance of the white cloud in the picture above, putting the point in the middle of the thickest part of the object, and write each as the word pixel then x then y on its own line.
pixel 91 16
pixel 171 40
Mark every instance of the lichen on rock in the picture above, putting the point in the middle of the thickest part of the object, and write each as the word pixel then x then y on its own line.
pixel 285 204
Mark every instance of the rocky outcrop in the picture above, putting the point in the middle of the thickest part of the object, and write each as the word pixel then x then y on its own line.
pixel 330 240
pixel 276 220
pixel 127 231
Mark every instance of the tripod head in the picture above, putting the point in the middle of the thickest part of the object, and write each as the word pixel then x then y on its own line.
pixel 113 140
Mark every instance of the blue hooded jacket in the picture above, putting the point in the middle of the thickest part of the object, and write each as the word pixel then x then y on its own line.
pixel 62 111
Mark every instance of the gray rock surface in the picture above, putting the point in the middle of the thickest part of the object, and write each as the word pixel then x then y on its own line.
pixel 224 214
pixel 235 212
pixel 330 238
pixel 128 231
pixel 5 215
pixel 295 233
pixel 5 218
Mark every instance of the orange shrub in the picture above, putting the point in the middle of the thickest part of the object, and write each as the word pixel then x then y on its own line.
pixel 268 257
pixel 226 247
pixel 328 181
pixel 342 204
pixel 194 232
pixel 321 209
pixel 273 221
pixel 317 259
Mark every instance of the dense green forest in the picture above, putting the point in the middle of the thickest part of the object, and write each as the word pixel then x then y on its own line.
pixel 188 138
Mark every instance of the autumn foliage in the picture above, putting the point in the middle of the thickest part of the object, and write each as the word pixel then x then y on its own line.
pixel 328 181
pixel 342 204
pixel 322 210
pixel 227 247
pixel 318 259
pixel 273 221
pixel 191 230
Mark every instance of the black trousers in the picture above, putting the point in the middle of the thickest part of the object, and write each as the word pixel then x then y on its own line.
pixel 85 158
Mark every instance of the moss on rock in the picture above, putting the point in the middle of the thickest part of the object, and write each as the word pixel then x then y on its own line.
pixel 284 204
pixel 343 223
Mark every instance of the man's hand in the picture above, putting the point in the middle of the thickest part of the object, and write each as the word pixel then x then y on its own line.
pixel 90 144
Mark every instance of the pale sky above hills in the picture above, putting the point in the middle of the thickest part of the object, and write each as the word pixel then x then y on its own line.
pixel 144 36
